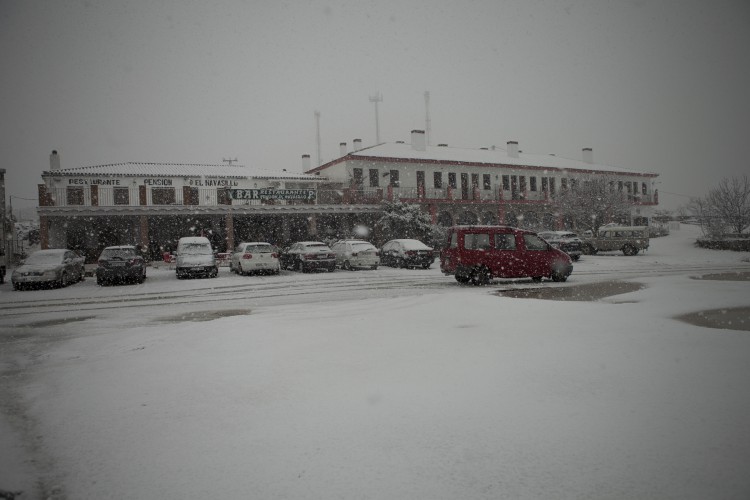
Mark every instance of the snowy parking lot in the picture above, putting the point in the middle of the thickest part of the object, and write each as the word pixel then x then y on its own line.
pixel 384 384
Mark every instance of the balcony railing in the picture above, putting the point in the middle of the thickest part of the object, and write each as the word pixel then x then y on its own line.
pixel 135 196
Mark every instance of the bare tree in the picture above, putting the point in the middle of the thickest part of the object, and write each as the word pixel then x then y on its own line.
pixel 730 200
pixel 726 208
pixel 593 202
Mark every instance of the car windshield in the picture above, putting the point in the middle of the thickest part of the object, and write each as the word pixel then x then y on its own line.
pixel 414 245
pixel 44 258
pixel 118 253
pixel 196 249
pixel 360 247
pixel 258 249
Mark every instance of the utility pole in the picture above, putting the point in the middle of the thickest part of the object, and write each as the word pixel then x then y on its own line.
pixel 317 133
pixel 427 120
pixel 229 161
pixel 376 99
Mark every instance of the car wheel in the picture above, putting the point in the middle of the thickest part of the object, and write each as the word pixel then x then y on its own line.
pixel 559 276
pixel 480 276
pixel 575 258
pixel 63 280
pixel 17 286
pixel 537 279
pixel 346 266
pixel 300 266
pixel 629 250
pixel 99 281
pixel 214 272
pixel 374 268
pixel 588 249
pixel 401 263
pixel 425 266
pixel 461 278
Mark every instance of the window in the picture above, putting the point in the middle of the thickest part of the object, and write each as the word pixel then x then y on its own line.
pixel 552 185
pixel 506 183
pixel 374 177
pixel 357 175
pixel 394 178
pixel 452 180
pixel 75 196
pixel 534 242
pixel 121 195
pixel 564 184
pixel 544 184
pixel 486 182
pixel 644 188
pixel 454 240
pixel 438 179
pixel 505 241
pixel 474 180
pixel 532 183
pixel 477 241
pixel 162 196
pixel 522 181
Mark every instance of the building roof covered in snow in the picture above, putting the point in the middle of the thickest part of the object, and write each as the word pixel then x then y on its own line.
pixel 139 169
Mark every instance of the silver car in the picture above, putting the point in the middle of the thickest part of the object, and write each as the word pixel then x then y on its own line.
pixel 351 254
pixel 56 267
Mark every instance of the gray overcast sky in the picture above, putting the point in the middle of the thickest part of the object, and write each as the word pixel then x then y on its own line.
pixel 658 86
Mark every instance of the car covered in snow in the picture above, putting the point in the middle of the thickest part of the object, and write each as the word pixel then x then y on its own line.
pixel 195 257
pixel 567 241
pixel 351 254
pixel 305 256
pixel 254 257
pixel 407 253
pixel 54 267
pixel 120 264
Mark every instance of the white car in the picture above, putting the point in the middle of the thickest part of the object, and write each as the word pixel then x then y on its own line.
pixel 351 254
pixel 54 267
pixel 254 257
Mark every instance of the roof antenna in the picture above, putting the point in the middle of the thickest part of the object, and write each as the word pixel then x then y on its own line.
pixel 229 160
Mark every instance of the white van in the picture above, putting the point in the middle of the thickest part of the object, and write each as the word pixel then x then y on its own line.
pixel 195 257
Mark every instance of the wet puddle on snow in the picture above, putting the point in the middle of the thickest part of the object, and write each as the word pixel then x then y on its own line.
pixel 588 292
pixel 730 318
pixel 202 315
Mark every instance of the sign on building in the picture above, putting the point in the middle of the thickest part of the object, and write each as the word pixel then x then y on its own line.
pixel 273 194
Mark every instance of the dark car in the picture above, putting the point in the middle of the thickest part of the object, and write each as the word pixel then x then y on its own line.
pixel 120 264
pixel 306 256
pixel 407 253
pixel 567 241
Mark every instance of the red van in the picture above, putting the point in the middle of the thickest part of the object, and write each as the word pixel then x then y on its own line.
pixel 477 254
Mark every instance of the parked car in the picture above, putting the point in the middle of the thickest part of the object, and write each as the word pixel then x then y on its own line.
pixel 407 253
pixel 305 256
pixel 55 267
pixel 628 239
pixel 566 241
pixel 351 254
pixel 195 257
pixel 254 257
pixel 120 264
pixel 477 254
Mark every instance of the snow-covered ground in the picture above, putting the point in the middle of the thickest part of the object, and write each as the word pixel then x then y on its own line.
pixel 458 394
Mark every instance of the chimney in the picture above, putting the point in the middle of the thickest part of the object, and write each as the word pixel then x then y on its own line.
pixel 588 155
pixel 357 144
pixel 305 163
pixel 54 161
pixel 442 145
pixel 342 148
pixel 513 149
pixel 418 140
